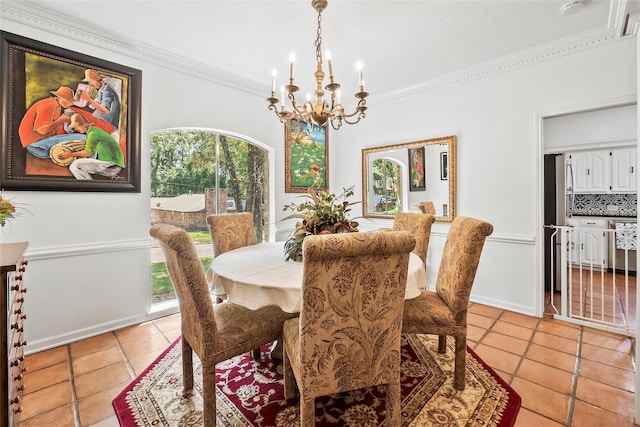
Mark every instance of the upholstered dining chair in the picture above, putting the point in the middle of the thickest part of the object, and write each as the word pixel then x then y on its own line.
pixel 231 231
pixel 348 333
pixel 427 208
pixel 215 333
pixel 420 226
pixel 444 312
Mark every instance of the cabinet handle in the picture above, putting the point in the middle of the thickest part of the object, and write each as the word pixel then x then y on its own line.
pixel 588 171
pixel 631 169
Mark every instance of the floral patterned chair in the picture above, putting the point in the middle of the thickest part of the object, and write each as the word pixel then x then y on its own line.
pixel 427 208
pixel 231 231
pixel 215 333
pixel 420 226
pixel 348 333
pixel 444 312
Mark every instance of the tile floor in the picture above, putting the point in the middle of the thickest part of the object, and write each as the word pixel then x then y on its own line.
pixel 567 375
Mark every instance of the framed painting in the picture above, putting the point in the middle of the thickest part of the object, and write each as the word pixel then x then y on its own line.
pixel 417 181
pixel 70 122
pixel 306 156
pixel 444 166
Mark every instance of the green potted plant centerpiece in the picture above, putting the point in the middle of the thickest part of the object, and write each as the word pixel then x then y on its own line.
pixel 321 213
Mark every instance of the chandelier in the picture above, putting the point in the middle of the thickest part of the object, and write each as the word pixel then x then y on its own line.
pixel 323 110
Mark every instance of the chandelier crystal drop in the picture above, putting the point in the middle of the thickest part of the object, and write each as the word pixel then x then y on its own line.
pixel 323 110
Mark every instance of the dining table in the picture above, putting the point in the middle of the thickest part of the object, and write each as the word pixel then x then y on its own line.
pixel 258 275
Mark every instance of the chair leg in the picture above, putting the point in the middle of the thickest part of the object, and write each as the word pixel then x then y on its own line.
pixel 289 378
pixel 307 412
pixel 257 354
pixel 209 395
pixel 393 404
pixel 461 361
pixel 442 344
pixel 187 366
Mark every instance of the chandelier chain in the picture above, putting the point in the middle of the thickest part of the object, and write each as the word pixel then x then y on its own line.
pixel 318 41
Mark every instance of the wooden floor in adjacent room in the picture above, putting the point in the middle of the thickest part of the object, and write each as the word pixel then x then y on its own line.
pixel 567 375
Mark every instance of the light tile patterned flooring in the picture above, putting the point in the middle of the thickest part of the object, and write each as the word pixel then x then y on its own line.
pixel 567 375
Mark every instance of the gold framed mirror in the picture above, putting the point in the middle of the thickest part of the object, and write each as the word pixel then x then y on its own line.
pixel 401 177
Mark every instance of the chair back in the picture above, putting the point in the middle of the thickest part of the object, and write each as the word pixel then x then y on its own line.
pixel 187 275
pixel 420 226
pixel 353 296
pixel 459 263
pixel 231 231
pixel 427 208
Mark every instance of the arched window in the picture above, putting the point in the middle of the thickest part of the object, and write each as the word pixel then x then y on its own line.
pixel 197 172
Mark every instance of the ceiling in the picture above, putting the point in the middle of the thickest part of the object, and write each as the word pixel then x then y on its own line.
pixel 400 43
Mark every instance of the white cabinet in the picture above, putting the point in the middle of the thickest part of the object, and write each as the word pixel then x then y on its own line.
pixel 591 171
pixel 623 170
pixel 588 243
pixel 602 171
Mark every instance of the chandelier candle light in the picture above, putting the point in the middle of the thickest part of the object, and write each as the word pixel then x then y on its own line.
pixel 323 110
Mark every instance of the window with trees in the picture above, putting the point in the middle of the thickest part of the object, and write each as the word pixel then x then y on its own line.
pixel 198 172
pixel 386 185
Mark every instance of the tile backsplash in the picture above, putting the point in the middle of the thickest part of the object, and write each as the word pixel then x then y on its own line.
pixel 613 205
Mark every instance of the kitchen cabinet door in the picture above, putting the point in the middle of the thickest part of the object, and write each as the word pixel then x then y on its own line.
pixel 623 170
pixel 591 171
pixel 592 243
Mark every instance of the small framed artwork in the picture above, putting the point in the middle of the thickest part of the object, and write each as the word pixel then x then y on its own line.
pixel 417 181
pixel 444 166
pixel 306 156
pixel 70 122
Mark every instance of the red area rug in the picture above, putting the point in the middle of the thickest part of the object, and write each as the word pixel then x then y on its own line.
pixel 251 394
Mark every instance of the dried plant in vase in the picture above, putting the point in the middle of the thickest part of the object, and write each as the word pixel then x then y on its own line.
pixel 322 213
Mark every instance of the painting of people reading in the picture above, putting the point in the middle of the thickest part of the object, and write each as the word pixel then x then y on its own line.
pixel 73 124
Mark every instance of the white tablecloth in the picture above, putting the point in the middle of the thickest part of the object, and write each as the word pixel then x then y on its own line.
pixel 257 276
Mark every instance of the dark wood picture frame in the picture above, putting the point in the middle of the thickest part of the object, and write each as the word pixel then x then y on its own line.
pixel 306 156
pixel 34 72
pixel 417 175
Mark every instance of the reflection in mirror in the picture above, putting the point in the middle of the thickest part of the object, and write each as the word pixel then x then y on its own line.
pixel 402 177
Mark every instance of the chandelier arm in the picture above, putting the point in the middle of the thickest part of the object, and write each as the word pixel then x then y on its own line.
pixel 360 109
pixel 353 122
pixel 296 109
pixel 333 120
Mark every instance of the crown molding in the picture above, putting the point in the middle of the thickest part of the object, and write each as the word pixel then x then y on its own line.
pixel 37 17
pixel 558 49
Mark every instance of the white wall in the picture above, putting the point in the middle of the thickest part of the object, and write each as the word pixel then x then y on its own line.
pixel 89 262
pixel 499 163
pixel 89 252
